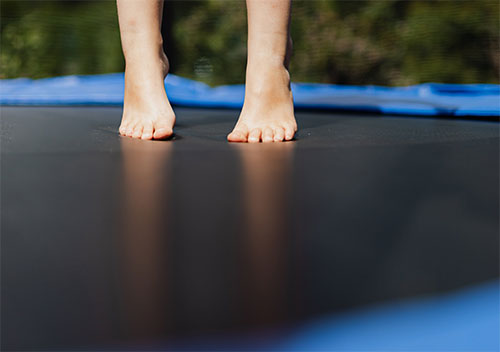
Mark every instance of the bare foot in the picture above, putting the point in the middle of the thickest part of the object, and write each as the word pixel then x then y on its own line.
pixel 147 113
pixel 267 113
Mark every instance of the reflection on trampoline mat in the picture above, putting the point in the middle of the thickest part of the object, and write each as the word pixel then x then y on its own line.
pixel 107 239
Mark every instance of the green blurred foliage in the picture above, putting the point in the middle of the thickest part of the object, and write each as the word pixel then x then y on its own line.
pixel 396 42
pixel 50 38
pixel 387 42
pixel 211 40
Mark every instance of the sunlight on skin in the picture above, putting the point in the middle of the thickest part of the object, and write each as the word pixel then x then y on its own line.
pixel 267 113
pixel 265 204
pixel 147 113
pixel 144 236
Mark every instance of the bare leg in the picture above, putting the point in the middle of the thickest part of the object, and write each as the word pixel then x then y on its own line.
pixel 147 113
pixel 267 113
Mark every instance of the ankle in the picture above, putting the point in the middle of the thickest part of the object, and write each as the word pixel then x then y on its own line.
pixel 148 63
pixel 266 75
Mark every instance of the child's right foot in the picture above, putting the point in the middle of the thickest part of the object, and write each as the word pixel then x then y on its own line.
pixel 147 113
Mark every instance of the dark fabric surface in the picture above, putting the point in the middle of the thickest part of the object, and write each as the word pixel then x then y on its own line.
pixel 106 239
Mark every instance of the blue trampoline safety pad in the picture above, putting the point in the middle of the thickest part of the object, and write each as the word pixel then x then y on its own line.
pixel 465 320
pixel 431 99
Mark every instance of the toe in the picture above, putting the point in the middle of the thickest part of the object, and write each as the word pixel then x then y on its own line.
pixel 147 131
pixel 123 129
pixel 137 131
pixel 254 136
pixel 238 135
pixel 289 132
pixel 130 130
pixel 162 132
pixel 279 134
pixel 267 135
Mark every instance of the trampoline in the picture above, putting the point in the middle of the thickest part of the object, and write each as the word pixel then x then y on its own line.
pixel 366 232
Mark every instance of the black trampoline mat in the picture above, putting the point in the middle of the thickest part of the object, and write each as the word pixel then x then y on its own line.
pixel 109 240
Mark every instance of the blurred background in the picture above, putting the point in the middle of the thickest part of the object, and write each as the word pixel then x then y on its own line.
pixel 388 42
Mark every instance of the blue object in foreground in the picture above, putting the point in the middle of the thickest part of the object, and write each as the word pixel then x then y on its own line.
pixel 430 99
pixel 467 320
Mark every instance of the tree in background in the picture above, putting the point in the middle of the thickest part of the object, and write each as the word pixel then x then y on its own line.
pixel 51 38
pixel 387 42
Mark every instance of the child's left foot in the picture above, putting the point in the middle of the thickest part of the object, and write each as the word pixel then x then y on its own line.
pixel 267 113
